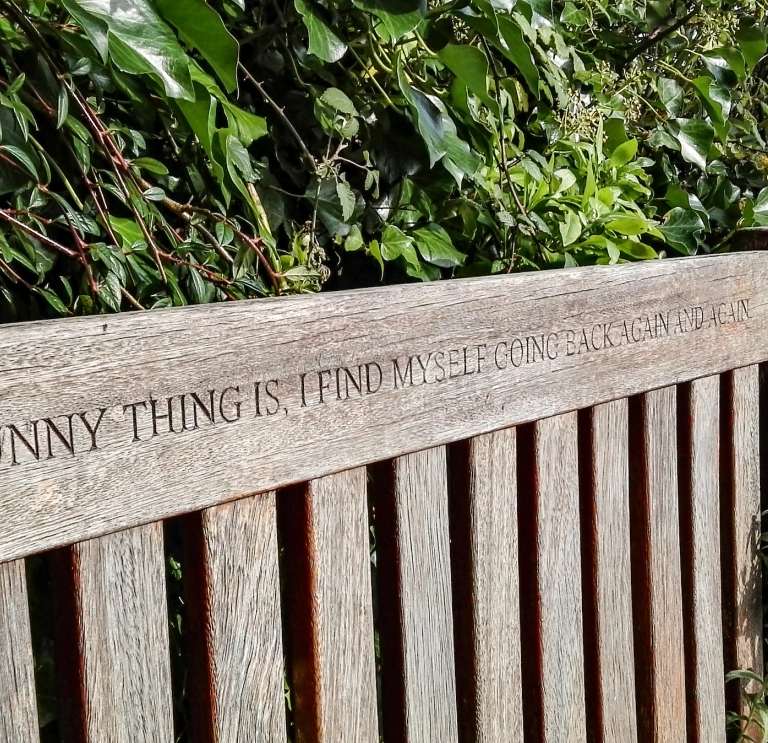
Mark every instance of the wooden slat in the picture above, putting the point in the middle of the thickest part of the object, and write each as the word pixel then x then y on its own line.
pixel 234 623
pixel 122 686
pixel 484 560
pixel 741 520
pixel 328 582
pixel 414 579
pixel 699 421
pixel 657 583
pixel 379 372
pixel 608 620
pixel 18 707
pixel 553 640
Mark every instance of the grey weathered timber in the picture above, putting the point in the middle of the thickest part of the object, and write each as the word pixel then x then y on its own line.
pixel 328 578
pixel 700 487
pixel 261 387
pixel 741 460
pixel 657 578
pixel 608 534
pixel 416 619
pixel 18 706
pixel 486 588
pixel 243 637
pixel 549 503
pixel 122 626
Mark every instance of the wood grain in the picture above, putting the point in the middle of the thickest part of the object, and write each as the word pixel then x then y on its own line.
pixel 18 706
pixel 561 336
pixel 741 519
pixel 656 577
pixel 328 584
pixel 123 692
pixel 553 640
pixel 236 630
pixel 484 551
pixel 699 440
pixel 414 579
pixel 604 470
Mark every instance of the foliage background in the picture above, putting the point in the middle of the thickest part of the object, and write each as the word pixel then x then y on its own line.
pixel 165 152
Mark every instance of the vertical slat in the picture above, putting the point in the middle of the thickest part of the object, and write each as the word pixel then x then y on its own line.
pixel 484 562
pixel 741 520
pixel 657 584
pixel 608 577
pixel 553 652
pixel 328 580
pixel 236 628
pixel 699 421
pixel 123 679
pixel 18 707
pixel 415 599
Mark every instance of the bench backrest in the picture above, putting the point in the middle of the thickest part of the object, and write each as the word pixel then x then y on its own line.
pixel 474 510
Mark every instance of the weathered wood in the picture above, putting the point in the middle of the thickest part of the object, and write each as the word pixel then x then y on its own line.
pixel 121 690
pixel 380 372
pixel 553 639
pixel 741 520
pixel 484 560
pixel 699 440
pixel 604 470
pixel 328 584
pixel 414 580
pixel 18 706
pixel 656 578
pixel 234 623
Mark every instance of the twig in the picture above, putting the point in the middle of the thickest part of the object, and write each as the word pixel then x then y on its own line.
pixel 657 35
pixel 37 235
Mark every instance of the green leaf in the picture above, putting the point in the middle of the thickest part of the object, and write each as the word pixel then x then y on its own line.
pixel 428 119
pixel 695 138
pixel 62 108
pixel 53 300
pixel 201 27
pixel 570 230
pixel 346 199
pixel 150 165
pixel 395 243
pixel 752 44
pixel 398 16
pixel 339 101
pixel 154 194
pixel 714 97
pixel 680 227
pixel 516 49
pixel 323 42
pixel 470 65
pixel 623 154
pixel 760 209
pixel 637 250
pixel 573 15
pixel 672 95
pixel 435 246
pixel 139 41
pixel 23 157
pixel 329 207
pixel 247 126
pixel 628 225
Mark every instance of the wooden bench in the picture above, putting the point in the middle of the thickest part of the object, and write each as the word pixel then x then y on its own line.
pixel 556 476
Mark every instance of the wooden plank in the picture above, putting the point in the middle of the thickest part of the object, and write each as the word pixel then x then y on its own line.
pixel 379 372
pixel 324 529
pixel 484 552
pixel 234 623
pixel 553 638
pixel 656 578
pixel 699 439
pixel 414 579
pixel 604 469
pixel 741 521
pixel 18 706
pixel 122 685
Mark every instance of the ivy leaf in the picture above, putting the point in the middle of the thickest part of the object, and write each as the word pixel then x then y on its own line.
pixel 695 138
pixel 398 16
pixel 760 209
pixel 470 65
pixel 202 28
pixel 435 246
pixel 139 41
pixel 573 15
pixel 247 126
pixel 516 49
pixel 428 119
pixel 323 42
pixel 714 97
pixel 395 243
pixel 680 227
pixel 752 44
pixel 672 95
